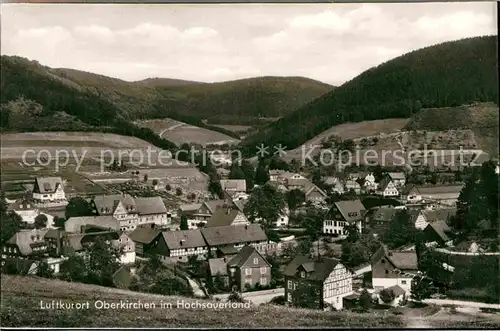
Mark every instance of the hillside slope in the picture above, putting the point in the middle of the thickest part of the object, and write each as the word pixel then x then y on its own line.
pixel 480 118
pixel 448 74
pixel 21 298
pixel 250 98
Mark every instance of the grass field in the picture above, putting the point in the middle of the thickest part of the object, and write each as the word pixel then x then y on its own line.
pixel 353 131
pixel 88 144
pixel 179 132
pixel 21 297
pixel 234 128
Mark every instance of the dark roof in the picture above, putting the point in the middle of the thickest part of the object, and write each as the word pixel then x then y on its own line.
pixel 218 266
pixel 440 189
pixel 183 239
pixel 442 214
pixel 409 188
pixel 315 188
pixel 144 235
pixel 397 290
pixel 48 184
pixel 212 205
pixel 383 213
pixel 384 182
pixel 228 250
pixel 243 256
pixel 441 229
pixel 396 175
pixel 235 234
pixel 403 260
pixel 20 266
pixel 191 208
pixel 222 217
pixel 150 206
pixel 347 207
pixel 317 270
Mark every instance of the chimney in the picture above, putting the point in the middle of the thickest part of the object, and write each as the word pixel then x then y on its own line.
pixel 182 241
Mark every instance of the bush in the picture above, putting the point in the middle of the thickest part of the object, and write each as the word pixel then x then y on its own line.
pixel 387 296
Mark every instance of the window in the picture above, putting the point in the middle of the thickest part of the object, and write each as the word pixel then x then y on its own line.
pixel 289 298
pixel 263 270
pixel 248 271
pixel 263 281
pixel 289 284
pixel 255 260
pixel 383 260
pixel 403 282
pixel 302 274
pixel 386 272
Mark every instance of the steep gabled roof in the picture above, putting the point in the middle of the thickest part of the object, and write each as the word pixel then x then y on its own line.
pixel 348 207
pixel 223 217
pixel 25 240
pixel 409 188
pixel 315 188
pixel 218 266
pixel 403 260
pixel 384 182
pixel 442 214
pixel 212 205
pixel 144 234
pixel 106 204
pixel 383 213
pixel 183 239
pixel 441 229
pixel 243 255
pixel 150 206
pixel 317 270
pixel 48 184
pixel 233 234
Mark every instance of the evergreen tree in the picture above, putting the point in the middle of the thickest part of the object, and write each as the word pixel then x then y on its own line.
pixel 401 230
pixel 295 198
pixel 41 221
pixel 11 222
pixel 365 300
pixel 420 289
pixel 184 223
pixel 249 172
pixel 236 172
pixel 261 174
pixel 77 207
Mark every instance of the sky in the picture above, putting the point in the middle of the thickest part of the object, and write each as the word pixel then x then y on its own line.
pixel 331 43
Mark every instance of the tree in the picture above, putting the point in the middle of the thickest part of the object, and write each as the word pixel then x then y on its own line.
pixel 387 296
pixel 307 295
pixel 103 262
pixel 236 172
pixel 235 296
pixel 184 223
pixel 365 300
pixel 41 221
pixel 401 230
pixel 44 270
pixel 295 198
pixel 73 269
pixel 420 289
pixel 215 188
pixel 352 233
pixel 78 207
pixel 10 221
pixel 178 191
pixel 59 222
pixel 304 246
pixel 249 172
pixel 261 174
pixel 168 187
pixel 277 163
pixel 266 205
pixel 169 284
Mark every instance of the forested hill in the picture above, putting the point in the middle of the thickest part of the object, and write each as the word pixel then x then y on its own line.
pixel 444 75
pixel 220 103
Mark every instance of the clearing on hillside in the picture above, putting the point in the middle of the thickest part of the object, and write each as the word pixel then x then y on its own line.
pixel 179 132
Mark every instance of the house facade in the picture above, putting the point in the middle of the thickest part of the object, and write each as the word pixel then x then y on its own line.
pixel 174 246
pixel 249 269
pixel 410 194
pixel 152 210
pixel 387 188
pixel 26 209
pixel 315 194
pixel 26 244
pixel 49 189
pixel 145 238
pixel 127 246
pixel 352 185
pixel 342 214
pixel 391 268
pixel 398 178
pixel 332 280
pixel 233 186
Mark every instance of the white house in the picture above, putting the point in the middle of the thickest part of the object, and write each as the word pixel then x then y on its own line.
pixel 370 182
pixel 387 188
pixel 152 210
pixel 176 246
pixel 26 210
pixel 120 206
pixel 128 249
pixel 391 268
pixel 49 189
pixel 342 214
pixel 335 278
pixel 398 178
pixel 410 194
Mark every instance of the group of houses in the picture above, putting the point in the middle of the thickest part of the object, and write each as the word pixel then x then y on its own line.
pixel 287 181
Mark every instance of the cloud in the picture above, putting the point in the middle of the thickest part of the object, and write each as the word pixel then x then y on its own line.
pixel 328 42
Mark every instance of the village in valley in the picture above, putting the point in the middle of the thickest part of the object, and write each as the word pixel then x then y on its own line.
pixel 250 166
pixel 269 232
